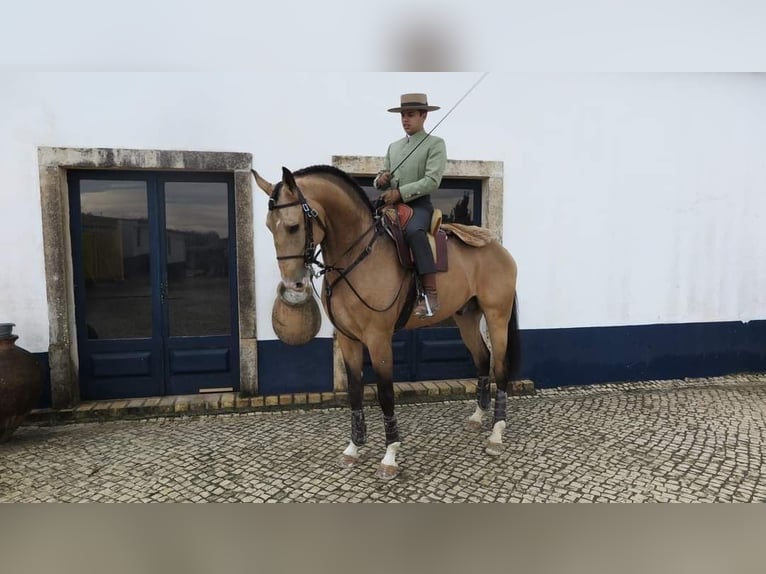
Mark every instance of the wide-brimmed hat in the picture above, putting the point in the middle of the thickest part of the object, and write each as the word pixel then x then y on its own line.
pixel 413 102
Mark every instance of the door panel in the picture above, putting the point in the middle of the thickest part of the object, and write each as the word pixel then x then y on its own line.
pixel 200 361
pixel 133 363
pixel 197 292
pixel 120 353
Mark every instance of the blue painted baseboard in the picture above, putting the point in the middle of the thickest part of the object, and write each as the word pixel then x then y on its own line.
pixel 551 357
pixel 286 368
pixel 578 356
pixel 558 357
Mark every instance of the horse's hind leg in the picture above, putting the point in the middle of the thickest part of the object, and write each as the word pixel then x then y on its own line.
pixel 381 357
pixel 504 338
pixel 352 357
pixel 469 323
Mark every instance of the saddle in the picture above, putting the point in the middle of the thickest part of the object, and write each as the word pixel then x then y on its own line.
pixel 395 219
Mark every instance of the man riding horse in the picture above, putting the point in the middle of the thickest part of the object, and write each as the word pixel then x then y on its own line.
pixel 365 290
pixel 419 160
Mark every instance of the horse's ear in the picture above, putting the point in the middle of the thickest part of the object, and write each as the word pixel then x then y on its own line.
pixel 287 179
pixel 262 183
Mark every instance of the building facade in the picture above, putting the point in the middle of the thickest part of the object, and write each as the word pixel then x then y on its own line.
pixel 137 261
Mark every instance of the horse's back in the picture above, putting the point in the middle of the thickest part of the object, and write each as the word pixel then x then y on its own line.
pixel 489 260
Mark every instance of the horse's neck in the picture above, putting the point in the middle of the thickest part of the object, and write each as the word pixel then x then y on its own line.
pixel 348 227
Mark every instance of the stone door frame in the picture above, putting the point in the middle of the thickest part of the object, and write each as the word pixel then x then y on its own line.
pixel 54 162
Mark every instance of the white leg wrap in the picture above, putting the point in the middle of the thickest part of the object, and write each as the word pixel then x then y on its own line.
pixel 477 416
pixel 497 432
pixel 352 450
pixel 390 458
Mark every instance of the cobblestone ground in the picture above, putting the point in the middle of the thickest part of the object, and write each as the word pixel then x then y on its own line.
pixel 646 442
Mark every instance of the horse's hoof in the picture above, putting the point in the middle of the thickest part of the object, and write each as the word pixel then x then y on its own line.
pixel 494 448
pixel 346 461
pixel 387 472
pixel 473 425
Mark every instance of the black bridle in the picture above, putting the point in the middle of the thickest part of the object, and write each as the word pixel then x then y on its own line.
pixel 309 216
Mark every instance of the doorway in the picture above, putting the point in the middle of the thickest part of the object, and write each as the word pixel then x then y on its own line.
pixel 155 286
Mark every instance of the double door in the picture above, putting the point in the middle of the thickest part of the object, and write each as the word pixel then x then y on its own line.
pixel 155 282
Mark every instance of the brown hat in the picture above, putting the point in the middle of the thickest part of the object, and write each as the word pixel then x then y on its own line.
pixel 414 102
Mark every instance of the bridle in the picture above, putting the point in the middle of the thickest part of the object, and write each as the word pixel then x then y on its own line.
pixel 310 253
pixel 309 216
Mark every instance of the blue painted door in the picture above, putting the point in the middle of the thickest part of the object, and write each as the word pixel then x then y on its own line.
pixel 154 282
pixel 437 352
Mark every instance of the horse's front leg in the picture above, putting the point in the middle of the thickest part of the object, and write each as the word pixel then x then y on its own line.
pixel 381 355
pixel 352 357
pixel 483 400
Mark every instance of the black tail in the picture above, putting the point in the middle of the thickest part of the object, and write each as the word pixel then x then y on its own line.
pixel 513 349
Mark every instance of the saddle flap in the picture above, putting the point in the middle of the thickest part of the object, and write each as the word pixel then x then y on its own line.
pixel 438 243
pixel 391 221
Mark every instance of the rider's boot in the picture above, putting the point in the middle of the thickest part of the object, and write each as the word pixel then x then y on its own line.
pixel 428 305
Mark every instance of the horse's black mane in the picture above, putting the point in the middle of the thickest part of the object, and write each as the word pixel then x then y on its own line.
pixel 334 171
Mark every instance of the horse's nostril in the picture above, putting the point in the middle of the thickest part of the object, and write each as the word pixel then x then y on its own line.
pixel 299 285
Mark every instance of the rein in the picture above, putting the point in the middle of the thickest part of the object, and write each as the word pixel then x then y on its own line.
pixel 310 254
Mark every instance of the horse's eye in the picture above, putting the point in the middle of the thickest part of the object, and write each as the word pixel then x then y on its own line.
pixel 291 229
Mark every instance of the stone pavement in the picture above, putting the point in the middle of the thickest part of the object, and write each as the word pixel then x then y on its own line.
pixel 658 441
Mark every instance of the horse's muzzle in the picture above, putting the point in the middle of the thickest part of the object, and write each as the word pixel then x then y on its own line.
pixel 294 292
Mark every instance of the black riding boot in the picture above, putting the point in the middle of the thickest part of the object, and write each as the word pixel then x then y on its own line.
pixel 428 305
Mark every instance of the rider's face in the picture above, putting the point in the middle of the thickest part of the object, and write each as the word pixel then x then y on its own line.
pixel 413 120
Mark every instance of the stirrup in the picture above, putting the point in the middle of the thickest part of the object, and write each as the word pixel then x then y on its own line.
pixel 429 312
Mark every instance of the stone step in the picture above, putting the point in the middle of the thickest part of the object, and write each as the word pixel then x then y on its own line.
pixel 213 403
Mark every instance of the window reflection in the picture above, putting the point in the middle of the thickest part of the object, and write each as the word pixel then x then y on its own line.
pixel 456 204
pixel 115 259
pixel 197 253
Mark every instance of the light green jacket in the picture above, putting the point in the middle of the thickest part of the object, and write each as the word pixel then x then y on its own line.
pixel 422 172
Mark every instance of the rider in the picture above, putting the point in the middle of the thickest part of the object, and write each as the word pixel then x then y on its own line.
pixel 412 181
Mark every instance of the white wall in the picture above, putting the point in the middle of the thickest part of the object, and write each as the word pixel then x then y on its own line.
pixel 629 198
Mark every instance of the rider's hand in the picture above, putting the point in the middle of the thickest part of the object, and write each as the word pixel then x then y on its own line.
pixel 391 196
pixel 384 179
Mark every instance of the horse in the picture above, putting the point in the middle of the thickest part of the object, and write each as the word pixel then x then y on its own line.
pixel 366 289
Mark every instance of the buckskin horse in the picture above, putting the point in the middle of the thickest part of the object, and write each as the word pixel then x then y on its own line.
pixel 367 294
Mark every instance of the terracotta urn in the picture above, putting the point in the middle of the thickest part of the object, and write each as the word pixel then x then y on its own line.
pixel 295 315
pixel 21 382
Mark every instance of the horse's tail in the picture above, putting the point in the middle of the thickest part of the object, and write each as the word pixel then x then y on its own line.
pixel 513 348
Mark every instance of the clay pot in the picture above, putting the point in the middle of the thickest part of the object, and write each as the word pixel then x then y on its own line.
pixel 21 382
pixel 295 315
